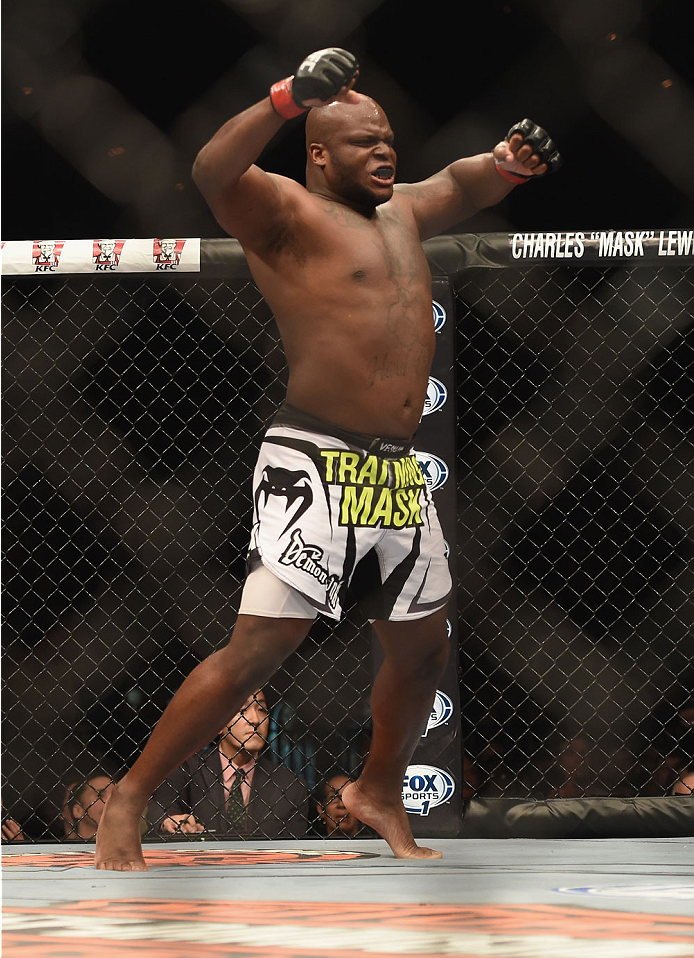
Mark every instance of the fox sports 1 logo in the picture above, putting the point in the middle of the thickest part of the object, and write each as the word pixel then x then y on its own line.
pixel 437 394
pixel 439 316
pixel 434 469
pixel 441 711
pixel 424 787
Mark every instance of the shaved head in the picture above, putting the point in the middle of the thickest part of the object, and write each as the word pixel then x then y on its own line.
pixel 322 123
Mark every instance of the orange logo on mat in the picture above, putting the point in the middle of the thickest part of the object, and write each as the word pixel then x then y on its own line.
pixel 161 928
pixel 165 857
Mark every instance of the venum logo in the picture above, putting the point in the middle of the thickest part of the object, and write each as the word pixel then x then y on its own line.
pixel 424 787
pixel 286 484
pixel 439 316
pixel 437 394
pixel 307 557
pixel 391 447
pixel 434 470
pixel 441 712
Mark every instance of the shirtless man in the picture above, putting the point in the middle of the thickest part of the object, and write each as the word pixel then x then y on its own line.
pixel 341 264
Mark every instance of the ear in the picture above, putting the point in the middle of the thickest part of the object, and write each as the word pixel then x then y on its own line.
pixel 317 154
pixel 77 811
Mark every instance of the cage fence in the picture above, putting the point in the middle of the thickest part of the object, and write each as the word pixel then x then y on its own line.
pixel 134 405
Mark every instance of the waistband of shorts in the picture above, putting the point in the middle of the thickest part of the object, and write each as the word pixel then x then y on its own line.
pixel 384 446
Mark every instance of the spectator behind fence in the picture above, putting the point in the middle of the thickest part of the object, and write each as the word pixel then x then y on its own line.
pixel 573 770
pixel 662 771
pixel 85 805
pixel 230 789
pixel 670 732
pixel 66 822
pixel 685 783
pixel 496 770
pixel 11 830
pixel 337 822
pixel 583 767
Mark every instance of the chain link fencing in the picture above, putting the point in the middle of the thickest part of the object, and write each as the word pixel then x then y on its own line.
pixel 133 410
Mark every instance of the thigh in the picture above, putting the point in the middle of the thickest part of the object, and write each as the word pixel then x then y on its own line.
pixel 259 645
pixel 415 638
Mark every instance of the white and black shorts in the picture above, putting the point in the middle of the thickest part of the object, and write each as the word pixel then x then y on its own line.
pixel 337 512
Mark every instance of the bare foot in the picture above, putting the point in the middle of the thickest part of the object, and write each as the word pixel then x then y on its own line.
pixel 389 820
pixel 118 842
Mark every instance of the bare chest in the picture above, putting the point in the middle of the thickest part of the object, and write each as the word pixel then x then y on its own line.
pixel 346 280
pixel 361 252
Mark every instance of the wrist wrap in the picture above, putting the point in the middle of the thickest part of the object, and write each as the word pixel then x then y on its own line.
pixel 282 101
pixel 514 178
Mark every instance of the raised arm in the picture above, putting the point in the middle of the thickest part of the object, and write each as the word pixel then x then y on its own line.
pixel 244 199
pixel 475 182
pixel 247 202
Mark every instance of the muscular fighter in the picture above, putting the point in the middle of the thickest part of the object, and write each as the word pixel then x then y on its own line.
pixel 341 264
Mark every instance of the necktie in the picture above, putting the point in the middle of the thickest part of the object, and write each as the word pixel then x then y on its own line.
pixel 236 809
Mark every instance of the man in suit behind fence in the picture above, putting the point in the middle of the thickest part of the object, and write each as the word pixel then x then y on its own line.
pixel 230 789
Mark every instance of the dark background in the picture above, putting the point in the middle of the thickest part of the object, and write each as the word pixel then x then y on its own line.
pixel 105 105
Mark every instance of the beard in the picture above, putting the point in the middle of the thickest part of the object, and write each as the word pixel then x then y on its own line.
pixel 356 193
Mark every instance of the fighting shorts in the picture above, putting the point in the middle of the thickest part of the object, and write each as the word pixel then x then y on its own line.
pixel 338 512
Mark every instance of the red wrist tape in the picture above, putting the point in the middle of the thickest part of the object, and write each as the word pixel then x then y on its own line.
pixel 515 178
pixel 281 99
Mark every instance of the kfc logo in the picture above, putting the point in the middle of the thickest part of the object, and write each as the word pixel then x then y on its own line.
pixel 167 253
pixel 106 253
pixel 46 255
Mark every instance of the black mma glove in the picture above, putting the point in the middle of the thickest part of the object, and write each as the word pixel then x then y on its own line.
pixel 541 144
pixel 321 76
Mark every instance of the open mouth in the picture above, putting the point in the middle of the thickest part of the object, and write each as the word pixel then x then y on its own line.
pixel 384 174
